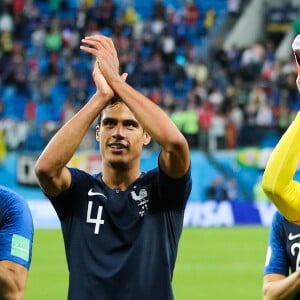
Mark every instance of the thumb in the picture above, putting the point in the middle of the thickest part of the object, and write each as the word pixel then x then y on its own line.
pixel 124 76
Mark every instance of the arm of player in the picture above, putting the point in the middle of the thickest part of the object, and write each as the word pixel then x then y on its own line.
pixel 174 157
pixel 277 286
pixel 13 279
pixel 50 168
pixel 278 182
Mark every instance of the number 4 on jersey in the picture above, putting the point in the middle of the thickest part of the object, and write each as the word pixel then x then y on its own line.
pixel 98 221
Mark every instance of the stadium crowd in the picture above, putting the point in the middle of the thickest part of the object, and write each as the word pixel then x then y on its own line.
pixel 221 100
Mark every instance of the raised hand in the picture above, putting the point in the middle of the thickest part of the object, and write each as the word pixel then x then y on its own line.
pixel 104 50
pixel 102 86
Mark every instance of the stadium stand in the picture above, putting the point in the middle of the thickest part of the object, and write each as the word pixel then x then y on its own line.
pixel 173 50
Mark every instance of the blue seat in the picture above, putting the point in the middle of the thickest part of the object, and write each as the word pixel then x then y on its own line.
pixel 43 113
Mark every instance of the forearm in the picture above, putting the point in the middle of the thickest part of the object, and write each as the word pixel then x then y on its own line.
pixel 283 289
pixel 174 156
pixel 10 287
pixel 278 181
pixel 152 118
pixel 63 145
pixel 50 168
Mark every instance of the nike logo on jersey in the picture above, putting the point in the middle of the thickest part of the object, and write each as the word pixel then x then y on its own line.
pixel 292 237
pixel 91 193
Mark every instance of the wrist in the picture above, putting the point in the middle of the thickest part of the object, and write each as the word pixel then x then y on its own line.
pixel 103 96
pixel 115 83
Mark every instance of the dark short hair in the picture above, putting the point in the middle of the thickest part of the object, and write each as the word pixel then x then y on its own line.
pixel 115 100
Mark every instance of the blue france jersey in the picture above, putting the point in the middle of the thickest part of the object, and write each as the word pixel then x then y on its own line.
pixel 122 245
pixel 283 255
pixel 16 228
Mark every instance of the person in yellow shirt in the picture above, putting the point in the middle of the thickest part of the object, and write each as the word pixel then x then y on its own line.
pixel 281 278
pixel 278 179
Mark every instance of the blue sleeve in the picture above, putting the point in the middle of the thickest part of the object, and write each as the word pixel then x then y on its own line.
pixel 16 228
pixel 277 259
pixel 170 193
pixel 64 203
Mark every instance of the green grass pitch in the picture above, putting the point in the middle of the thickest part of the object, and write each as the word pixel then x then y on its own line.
pixel 212 263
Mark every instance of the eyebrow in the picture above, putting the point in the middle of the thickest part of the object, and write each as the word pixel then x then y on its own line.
pixel 131 121
pixel 108 119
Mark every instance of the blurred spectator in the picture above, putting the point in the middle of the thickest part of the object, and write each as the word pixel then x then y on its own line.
pixel 257 98
pixel 15 132
pixel 264 116
pixel 30 113
pixel 48 129
pixel 284 118
pixel 53 38
pixel 190 126
pixel 103 14
pixel 191 15
pixel 196 70
pixel 55 6
pixel 67 112
pixel 17 72
pixel 209 19
pixel 6 20
pixel 156 95
pixel 217 132
pixel 217 190
pixel 205 115
pixel 40 63
pixel 6 43
pixel 230 135
pixel 252 61
pixel 77 92
pixel 236 118
pixel 215 97
pixel 130 16
pixel 159 10
pixel 38 37
pixel 167 48
pixel 232 189
pixel 233 60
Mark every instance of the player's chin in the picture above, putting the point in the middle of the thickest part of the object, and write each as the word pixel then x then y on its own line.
pixel 119 164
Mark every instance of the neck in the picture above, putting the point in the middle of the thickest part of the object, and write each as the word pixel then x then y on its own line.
pixel 121 180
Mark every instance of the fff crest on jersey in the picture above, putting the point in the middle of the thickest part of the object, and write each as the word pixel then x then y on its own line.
pixel 141 198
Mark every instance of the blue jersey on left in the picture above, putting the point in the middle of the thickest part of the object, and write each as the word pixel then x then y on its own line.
pixel 16 228
pixel 283 256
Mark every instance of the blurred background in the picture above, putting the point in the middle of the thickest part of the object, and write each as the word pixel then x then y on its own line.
pixel 223 70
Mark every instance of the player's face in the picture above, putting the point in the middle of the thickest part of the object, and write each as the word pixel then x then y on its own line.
pixel 121 137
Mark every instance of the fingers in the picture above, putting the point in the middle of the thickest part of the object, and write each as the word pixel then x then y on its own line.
pixel 103 40
pixel 104 50
pixel 124 76
pixel 98 42
pixel 100 46
pixel 90 50
pixel 92 42
pixel 92 45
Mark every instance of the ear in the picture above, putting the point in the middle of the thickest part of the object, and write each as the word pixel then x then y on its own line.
pixel 98 133
pixel 147 138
